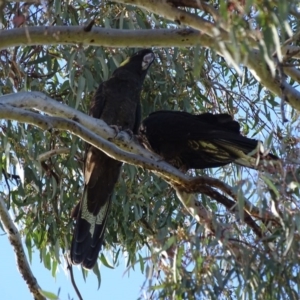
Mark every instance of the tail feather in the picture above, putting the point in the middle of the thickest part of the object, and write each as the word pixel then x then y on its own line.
pixel 257 158
pixel 88 234
pixel 101 175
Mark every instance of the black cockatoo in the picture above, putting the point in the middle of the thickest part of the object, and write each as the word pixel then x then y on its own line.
pixel 117 102
pixel 200 141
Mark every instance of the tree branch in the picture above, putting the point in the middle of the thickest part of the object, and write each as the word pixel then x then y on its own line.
pixel 200 184
pixel 42 103
pixel 203 216
pixel 292 72
pixel 100 135
pixel 97 129
pixel 15 241
pixel 53 35
pixel 96 132
pixel 181 17
pixel 144 38
pixel 25 1
pixel 53 152
pixel 91 131
pixel 229 204
pixel 260 71
pixel 70 269
pixel 200 4
pixel 253 60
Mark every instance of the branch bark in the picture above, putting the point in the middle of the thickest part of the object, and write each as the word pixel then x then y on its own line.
pixel 86 128
pixel 64 35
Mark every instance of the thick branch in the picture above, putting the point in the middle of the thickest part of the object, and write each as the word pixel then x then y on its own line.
pixel 15 240
pixel 290 51
pixel 254 60
pixel 53 35
pixel 48 123
pixel 203 5
pixel 40 102
pixel 144 158
pixel 164 9
pixel 141 38
pixel 293 73
pixel 182 182
pixel 260 71
pixel 96 132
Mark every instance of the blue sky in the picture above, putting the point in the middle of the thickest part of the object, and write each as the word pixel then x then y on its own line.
pixel 114 285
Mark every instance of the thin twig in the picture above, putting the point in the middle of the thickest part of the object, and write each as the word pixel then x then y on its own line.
pixel 51 153
pixel 70 269
pixel 8 187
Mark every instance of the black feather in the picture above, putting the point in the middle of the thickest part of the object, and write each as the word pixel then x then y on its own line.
pixel 117 102
pixel 199 141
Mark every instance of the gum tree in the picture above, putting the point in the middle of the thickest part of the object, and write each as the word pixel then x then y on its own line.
pixel 220 233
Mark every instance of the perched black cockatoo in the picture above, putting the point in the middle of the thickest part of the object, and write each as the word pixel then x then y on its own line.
pixel 200 141
pixel 117 102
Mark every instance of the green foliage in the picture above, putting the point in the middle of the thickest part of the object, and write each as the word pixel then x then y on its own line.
pixel 149 223
pixel 49 295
